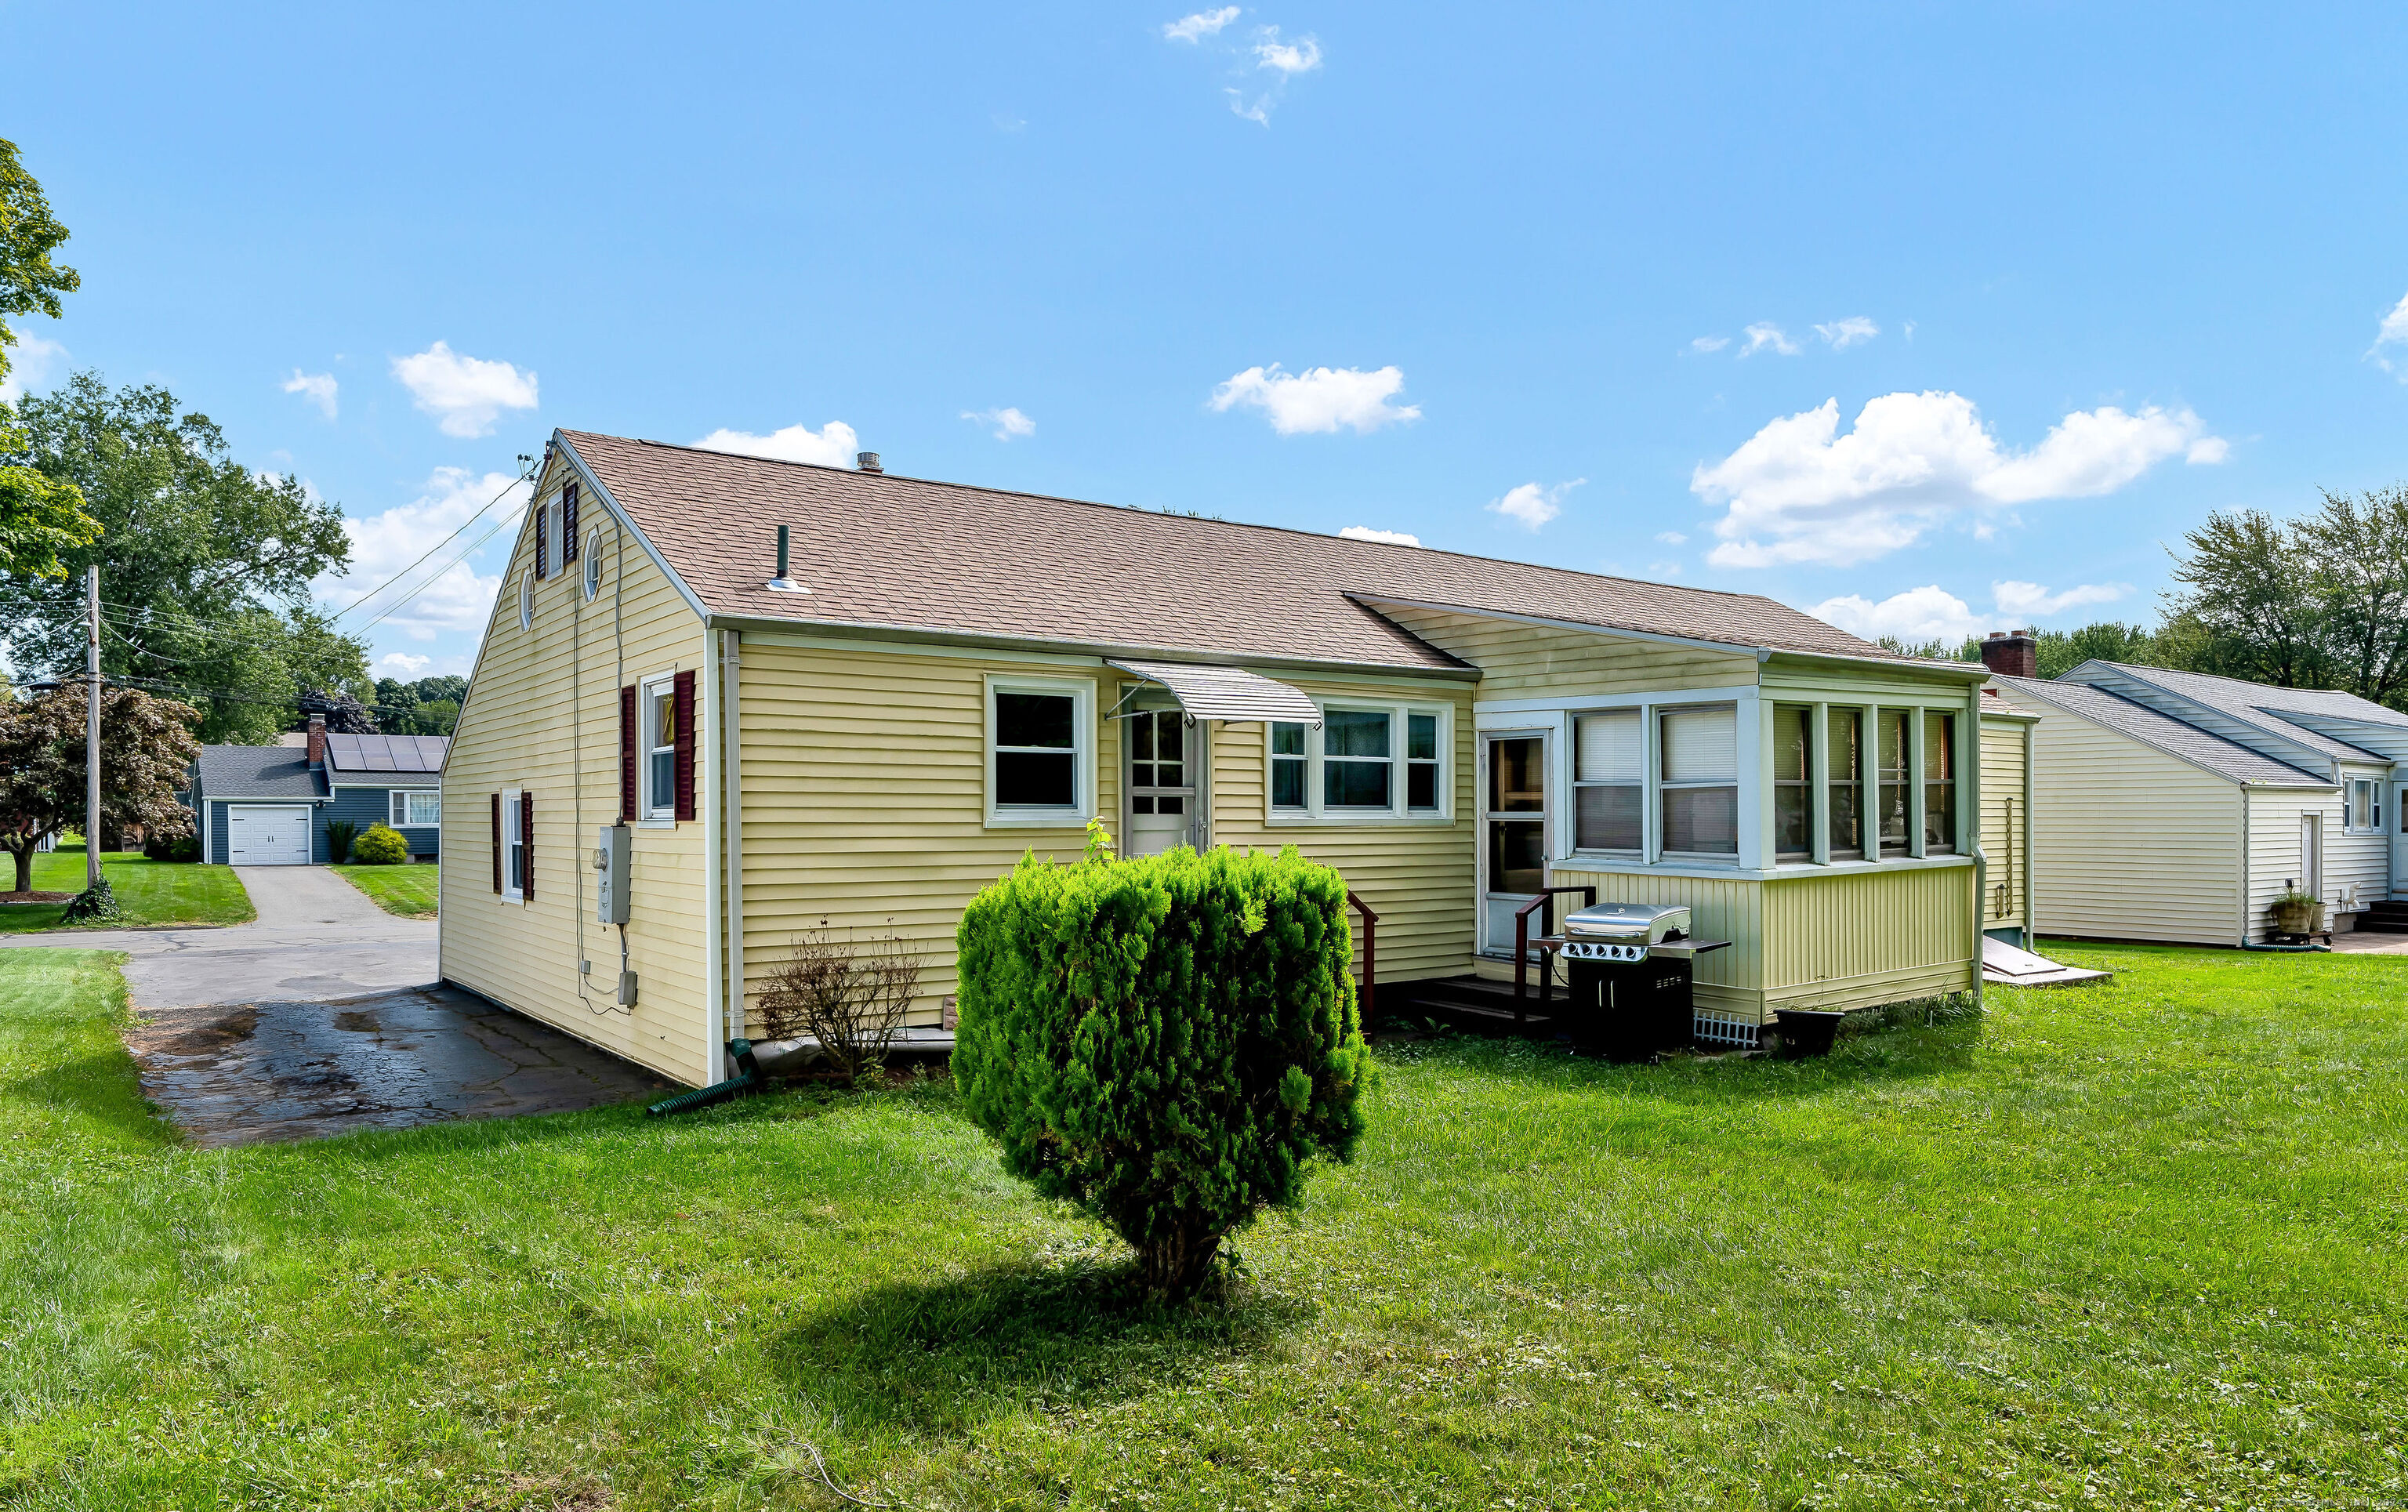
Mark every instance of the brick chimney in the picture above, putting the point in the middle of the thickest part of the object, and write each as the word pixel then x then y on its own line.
pixel 317 741
pixel 2011 653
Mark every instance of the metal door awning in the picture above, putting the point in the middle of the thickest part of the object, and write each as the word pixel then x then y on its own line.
pixel 1226 693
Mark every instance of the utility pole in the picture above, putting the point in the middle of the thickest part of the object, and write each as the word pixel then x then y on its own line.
pixel 91 728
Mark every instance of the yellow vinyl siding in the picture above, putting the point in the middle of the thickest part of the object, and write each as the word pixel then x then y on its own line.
pixel 2004 828
pixel 2130 842
pixel 543 715
pixel 1521 661
pixel 1720 908
pixel 865 801
pixel 1416 876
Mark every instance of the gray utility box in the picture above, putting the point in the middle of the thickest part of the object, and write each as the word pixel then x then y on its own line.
pixel 611 866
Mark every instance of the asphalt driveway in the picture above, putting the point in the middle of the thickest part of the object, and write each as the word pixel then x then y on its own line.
pixel 325 1015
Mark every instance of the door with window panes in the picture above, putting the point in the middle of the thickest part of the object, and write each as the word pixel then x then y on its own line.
pixel 1513 832
pixel 1164 759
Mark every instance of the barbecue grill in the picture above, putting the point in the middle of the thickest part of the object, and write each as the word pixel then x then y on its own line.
pixel 1632 967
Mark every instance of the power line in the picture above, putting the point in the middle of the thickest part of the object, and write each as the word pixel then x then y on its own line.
pixel 438 546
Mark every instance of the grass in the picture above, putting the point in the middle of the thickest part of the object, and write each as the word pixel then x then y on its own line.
pixel 2137 1245
pixel 148 891
pixel 407 890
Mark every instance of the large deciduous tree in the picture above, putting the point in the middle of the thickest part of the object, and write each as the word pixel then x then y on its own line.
pixel 40 518
pixel 145 751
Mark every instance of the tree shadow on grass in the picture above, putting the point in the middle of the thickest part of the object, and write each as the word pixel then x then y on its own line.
pixel 98 1092
pixel 944 1354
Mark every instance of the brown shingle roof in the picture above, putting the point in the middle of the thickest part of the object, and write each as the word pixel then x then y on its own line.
pixel 877 549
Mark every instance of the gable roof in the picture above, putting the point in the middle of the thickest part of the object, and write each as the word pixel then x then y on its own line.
pixel 2201 747
pixel 879 551
pixel 353 755
pixel 256 772
pixel 2260 705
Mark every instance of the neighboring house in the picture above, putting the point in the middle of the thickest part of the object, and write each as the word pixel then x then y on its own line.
pixel 946 677
pixel 269 805
pixel 2177 806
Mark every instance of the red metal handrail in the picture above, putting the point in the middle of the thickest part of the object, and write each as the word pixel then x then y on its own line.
pixel 1367 997
pixel 1546 899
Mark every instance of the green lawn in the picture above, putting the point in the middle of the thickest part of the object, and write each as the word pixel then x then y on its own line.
pixel 148 891
pixel 2129 1246
pixel 407 890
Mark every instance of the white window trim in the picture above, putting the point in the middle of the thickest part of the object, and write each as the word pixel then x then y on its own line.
pixel 1569 740
pixel 526 599
pixel 1315 812
pixel 2373 805
pixel 654 811
pixel 555 549
pixel 398 802
pixel 1658 785
pixel 590 570
pixel 1081 692
pixel 511 892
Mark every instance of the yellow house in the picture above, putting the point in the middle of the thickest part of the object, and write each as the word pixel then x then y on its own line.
pixel 820 695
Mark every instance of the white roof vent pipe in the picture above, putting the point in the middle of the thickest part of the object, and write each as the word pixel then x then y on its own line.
pixel 867 461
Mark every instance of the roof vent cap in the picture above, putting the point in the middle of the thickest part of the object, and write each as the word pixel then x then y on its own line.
pixel 868 462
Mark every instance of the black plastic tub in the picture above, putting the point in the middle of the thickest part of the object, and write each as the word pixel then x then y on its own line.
pixel 1806 1032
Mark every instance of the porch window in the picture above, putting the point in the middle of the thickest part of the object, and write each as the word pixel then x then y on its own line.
pixel 1357 770
pixel 1609 780
pixel 1421 763
pixel 1793 779
pixel 1890 774
pixel 1843 747
pixel 1700 765
pixel 1290 765
pixel 417 810
pixel 1938 784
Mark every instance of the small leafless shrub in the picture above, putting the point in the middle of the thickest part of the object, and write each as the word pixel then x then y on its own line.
pixel 849 994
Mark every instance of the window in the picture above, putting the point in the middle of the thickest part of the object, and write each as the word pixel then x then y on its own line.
pixel 1844 748
pixel 527 600
pixel 1701 785
pixel 1793 782
pixel 1609 780
pixel 1421 763
pixel 1040 751
pixel 593 565
pixel 417 810
pixel 552 540
pixel 1938 784
pixel 656 742
pixel 1290 765
pixel 1890 774
pixel 2365 804
pixel 513 847
pixel 1157 760
pixel 1357 771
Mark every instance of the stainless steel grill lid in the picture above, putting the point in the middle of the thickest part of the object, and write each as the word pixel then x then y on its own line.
pixel 1627 922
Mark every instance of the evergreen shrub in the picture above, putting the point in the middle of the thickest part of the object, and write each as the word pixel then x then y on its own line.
pixel 380 845
pixel 1167 1043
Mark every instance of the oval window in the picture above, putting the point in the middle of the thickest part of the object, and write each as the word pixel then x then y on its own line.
pixel 527 600
pixel 592 563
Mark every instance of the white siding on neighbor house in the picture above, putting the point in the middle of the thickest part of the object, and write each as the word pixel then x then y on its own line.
pixel 2005 821
pixel 2130 842
pixel 2276 858
pixel 543 715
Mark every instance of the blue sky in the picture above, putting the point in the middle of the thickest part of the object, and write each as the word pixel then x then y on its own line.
pixel 1457 272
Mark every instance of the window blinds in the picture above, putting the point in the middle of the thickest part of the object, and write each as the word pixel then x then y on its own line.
pixel 1701 745
pixel 1610 750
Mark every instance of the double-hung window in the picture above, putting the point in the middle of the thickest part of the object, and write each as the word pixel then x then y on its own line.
pixel 1939 783
pixel 1793 782
pixel 1890 776
pixel 1421 763
pixel 1843 750
pixel 1609 780
pixel 513 847
pixel 1040 751
pixel 1700 780
pixel 417 810
pixel 2365 804
pixel 1365 760
pixel 1291 766
pixel 656 740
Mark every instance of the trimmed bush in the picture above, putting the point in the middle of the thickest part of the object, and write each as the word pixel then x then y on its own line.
pixel 340 832
pixel 381 846
pixel 1168 1042
pixel 184 848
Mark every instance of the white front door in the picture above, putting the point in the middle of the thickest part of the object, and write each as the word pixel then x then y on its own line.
pixel 2312 854
pixel 267 836
pixel 1513 837
pixel 1165 758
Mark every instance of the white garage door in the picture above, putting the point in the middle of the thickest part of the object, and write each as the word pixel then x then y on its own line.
pixel 264 836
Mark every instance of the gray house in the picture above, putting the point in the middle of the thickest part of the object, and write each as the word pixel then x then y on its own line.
pixel 269 805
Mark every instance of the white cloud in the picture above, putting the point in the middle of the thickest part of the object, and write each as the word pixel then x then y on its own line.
pixel 1709 343
pixel 31 358
pixel 1319 399
pixel 2030 601
pixel 403 665
pixel 318 388
pixel 1843 335
pixel 465 395
pixel 2393 332
pixel 1798 491
pixel 1671 537
pixel 1663 569
pixel 1534 505
pixel 833 444
pixel 1932 613
pixel 1006 422
pixel 1394 537
pixel 443 594
pixel 1203 24
pixel 1764 335
pixel 1301 56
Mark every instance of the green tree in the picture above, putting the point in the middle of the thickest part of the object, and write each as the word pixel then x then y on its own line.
pixel 30 281
pixel 2060 652
pixel 206 564
pixel 429 706
pixel 146 753
pixel 40 518
pixel 2356 562
pixel 2248 601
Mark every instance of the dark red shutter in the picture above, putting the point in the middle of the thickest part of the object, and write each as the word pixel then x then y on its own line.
pixel 568 524
pixel 498 842
pixel 627 814
pixel 541 516
pixel 686 745
pixel 526 845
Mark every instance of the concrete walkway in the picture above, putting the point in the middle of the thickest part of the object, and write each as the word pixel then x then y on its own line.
pixel 325 1015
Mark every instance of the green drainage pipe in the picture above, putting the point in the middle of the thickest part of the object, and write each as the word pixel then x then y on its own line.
pixel 748 1078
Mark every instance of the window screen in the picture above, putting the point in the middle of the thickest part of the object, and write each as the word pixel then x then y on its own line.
pixel 1700 787
pixel 1609 780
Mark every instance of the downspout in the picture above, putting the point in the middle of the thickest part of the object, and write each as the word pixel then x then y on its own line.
pixel 714 1012
pixel 2248 864
pixel 731 672
pixel 2031 760
pixel 1972 812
